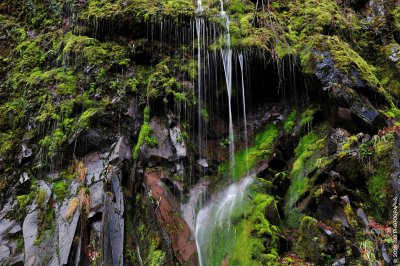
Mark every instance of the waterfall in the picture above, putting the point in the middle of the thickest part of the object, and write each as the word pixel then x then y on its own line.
pixel 217 215
pixel 227 62
pixel 241 63
pixel 199 29
pixel 197 196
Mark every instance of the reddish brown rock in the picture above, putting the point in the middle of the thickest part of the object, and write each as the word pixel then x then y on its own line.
pixel 167 213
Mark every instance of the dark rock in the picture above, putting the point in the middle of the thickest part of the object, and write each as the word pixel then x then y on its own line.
pixel 272 214
pixel 341 262
pixel 133 110
pixel 5 252
pixel 30 230
pixel 95 165
pixel 167 214
pixel 352 111
pixel 178 142
pixel 24 183
pixel 121 151
pixel 395 175
pixel 165 149
pixel 345 107
pixel 96 139
pixel 113 223
pixel 25 153
pixel 66 230
pixel 9 227
pixel 363 217
pixel 97 196
pixel 350 168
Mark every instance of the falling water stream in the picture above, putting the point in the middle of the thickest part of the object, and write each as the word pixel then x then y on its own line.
pixel 218 212
pixel 199 29
pixel 227 62
pixel 217 215
pixel 241 63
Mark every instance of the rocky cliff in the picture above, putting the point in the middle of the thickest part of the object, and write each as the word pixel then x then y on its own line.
pixel 115 131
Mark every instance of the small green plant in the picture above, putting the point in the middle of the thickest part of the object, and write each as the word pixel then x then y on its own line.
pixel 41 197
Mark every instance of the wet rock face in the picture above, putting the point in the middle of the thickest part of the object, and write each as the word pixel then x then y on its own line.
pixel 345 107
pixel 167 212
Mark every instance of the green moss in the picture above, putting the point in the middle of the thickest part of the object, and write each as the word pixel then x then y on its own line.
pixel 379 187
pixel 122 11
pixel 310 242
pixel 204 115
pixel 54 142
pixel 156 256
pixel 308 157
pixel 86 116
pixel 144 137
pixel 290 121
pixel 351 141
pixel 396 17
pixel 307 115
pixel 46 224
pixel 41 196
pixel 250 239
pixel 60 189
pixel 23 201
pixel 245 160
pixel 390 68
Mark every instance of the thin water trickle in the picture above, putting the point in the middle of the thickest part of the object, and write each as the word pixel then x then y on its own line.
pixel 199 31
pixel 241 63
pixel 227 62
pixel 217 214
pixel 197 197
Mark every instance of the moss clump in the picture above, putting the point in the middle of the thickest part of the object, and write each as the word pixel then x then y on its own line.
pixel 290 121
pixel 379 187
pixel 311 241
pixel 156 256
pixel 60 189
pixel 245 160
pixel 41 196
pixel 164 83
pixel 307 115
pixel 145 135
pixel 142 11
pixel 351 142
pixel 390 70
pixel 250 239
pixel 308 156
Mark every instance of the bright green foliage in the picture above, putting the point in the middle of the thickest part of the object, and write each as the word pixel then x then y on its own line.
pixel 85 50
pixel 250 239
pixel 308 157
pixel 41 197
pixel 163 82
pixel 307 115
pixel 396 17
pixel 379 183
pixel 145 135
pixel 145 132
pixel 351 141
pixel 390 72
pixel 151 10
pixel 245 160
pixel 290 121
pixel 60 189
pixel 156 256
